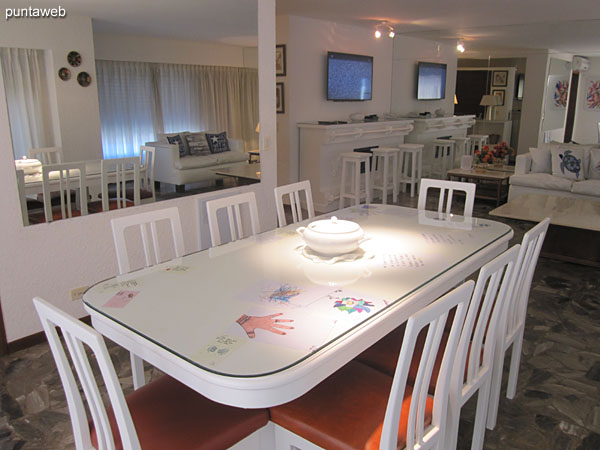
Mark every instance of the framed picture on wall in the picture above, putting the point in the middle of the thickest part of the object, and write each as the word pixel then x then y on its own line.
pixel 279 98
pixel 499 93
pixel 280 69
pixel 500 78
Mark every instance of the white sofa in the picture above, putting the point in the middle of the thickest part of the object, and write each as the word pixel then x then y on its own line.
pixel 529 178
pixel 172 168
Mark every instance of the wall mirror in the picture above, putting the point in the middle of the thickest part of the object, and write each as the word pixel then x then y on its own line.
pixel 555 99
pixel 175 93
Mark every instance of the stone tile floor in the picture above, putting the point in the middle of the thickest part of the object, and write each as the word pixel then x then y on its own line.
pixel 557 405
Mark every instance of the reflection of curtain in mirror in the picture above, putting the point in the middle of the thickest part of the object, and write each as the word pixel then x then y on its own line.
pixel 142 99
pixel 26 83
pixel 128 109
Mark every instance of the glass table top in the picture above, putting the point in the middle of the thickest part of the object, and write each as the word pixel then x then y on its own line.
pixel 262 304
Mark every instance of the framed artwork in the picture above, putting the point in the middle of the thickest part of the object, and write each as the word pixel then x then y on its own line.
pixel 279 98
pixel 280 66
pixel 592 93
pixel 499 78
pixel 499 93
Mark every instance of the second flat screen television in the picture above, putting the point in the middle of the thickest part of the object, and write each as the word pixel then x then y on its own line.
pixel 431 81
pixel 349 77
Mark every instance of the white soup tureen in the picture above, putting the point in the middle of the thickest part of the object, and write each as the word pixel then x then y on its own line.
pixel 332 236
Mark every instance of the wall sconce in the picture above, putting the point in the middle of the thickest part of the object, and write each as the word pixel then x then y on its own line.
pixel 387 28
pixel 460 46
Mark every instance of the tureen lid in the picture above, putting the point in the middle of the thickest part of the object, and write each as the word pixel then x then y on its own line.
pixel 333 226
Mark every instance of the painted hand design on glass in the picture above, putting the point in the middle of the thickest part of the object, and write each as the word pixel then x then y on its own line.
pixel 268 323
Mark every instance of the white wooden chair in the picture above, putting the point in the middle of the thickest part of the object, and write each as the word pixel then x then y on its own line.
pixel 294 191
pixel 474 357
pixel 71 177
pixel 233 206
pixel 447 189
pixel 516 311
pixel 164 414
pixel 47 155
pixel 357 389
pixel 148 189
pixel 146 223
pixel 22 198
pixel 118 172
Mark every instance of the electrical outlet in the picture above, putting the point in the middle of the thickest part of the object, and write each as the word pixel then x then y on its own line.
pixel 77 293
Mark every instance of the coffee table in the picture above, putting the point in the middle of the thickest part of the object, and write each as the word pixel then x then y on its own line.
pixel 574 233
pixel 244 173
pixel 497 178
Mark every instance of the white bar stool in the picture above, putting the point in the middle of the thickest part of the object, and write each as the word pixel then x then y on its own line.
pixel 388 158
pixel 443 157
pixel 413 154
pixel 478 141
pixel 462 147
pixel 354 160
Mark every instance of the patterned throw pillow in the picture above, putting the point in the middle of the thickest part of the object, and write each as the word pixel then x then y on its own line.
pixel 541 160
pixel 181 142
pixel 217 142
pixel 594 169
pixel 568 163
pixel 197 144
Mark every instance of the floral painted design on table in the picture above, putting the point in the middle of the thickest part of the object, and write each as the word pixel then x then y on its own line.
pixel 592 94
pixel 121 299
pixel 561 93
pixel 218 349
pixel 284 293
pixel 351 304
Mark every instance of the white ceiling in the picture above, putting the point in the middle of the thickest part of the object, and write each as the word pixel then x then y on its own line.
pixel 489 27
pixel 501 27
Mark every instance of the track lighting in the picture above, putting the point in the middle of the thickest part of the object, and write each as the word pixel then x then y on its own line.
pixel 386 28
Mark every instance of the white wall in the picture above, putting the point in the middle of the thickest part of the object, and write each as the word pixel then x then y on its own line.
pixel 77 106
pixel 121 47
pixel 530 134
pixel 585 129
pixel 308 41
pixel 50 259
pixel 407 53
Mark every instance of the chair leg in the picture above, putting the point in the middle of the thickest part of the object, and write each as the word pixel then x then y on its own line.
pixel 137 371
pixel 452 421
pixel 483 397
pixel 515 361
pixel 496 385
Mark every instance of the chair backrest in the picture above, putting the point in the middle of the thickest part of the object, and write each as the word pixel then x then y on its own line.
pixel 47 155
pixel 118 171
pixel 486 310
pixel 71 177
pixel 232 204
pixel 433 317
pixel 294 190
pixel 147 223
pixel 75 334
pixel 526 263
pixel 22 199
pixel 147 169
pixel 447 189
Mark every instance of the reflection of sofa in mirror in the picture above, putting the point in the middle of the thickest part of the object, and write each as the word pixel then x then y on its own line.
pixel 567 170
pixel 190 160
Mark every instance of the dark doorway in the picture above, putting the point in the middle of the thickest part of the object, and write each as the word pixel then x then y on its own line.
pixel 571 107
pixel 471 85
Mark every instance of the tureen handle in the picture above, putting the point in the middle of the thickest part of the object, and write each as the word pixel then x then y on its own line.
pixel 300 231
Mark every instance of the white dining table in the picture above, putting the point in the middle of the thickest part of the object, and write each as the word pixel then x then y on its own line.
pixel 260 321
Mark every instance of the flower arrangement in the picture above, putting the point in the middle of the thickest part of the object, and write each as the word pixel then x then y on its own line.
pixel 497 154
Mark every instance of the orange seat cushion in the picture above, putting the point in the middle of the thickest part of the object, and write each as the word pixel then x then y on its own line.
pixel 169 415
pixel 40 216
pixel 345 411
pixel 96 206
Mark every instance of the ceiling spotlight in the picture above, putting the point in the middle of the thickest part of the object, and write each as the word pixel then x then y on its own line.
pixel 391 34
pixel 460 46
pixel 386 28
pixel 377 34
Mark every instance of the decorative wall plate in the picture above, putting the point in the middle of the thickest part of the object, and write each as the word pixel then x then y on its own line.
pixel 64 73
pixel 74 58
pixel 84 79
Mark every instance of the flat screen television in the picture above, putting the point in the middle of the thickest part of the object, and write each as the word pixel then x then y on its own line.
pixel 431 81
pixel 349 77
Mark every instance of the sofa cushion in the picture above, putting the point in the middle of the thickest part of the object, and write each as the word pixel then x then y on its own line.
pixel 541 160
pixel 594 167
pixel 542 181
pixel 568 163
pixel 196 162
pixel 217 142
pixel 586 187
pixel 197 144
pixel 179 139
pixel 231 157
